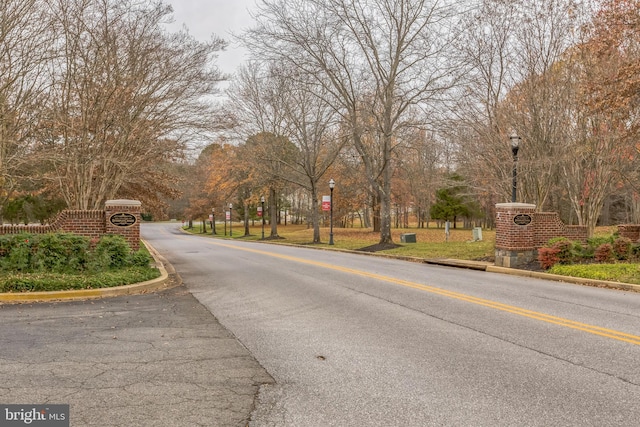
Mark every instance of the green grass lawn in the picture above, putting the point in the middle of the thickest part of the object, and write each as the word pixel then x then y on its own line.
pixel 431 242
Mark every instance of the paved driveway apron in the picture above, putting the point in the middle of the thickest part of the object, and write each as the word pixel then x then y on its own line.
pixel 146 360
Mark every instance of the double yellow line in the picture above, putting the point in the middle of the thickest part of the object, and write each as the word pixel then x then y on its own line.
pixel 595 330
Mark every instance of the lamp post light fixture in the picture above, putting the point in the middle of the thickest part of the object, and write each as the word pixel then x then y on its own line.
pixel 515 146
pixel 332 184
pixel 262 201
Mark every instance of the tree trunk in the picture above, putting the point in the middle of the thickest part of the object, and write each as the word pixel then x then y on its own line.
pixel 385 195
pixel 273 213
pixel 315 215
pixel 385 216
pixel 246 220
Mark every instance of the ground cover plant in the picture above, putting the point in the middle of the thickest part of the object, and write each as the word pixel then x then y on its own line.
pixel 63 261
pixel 605 257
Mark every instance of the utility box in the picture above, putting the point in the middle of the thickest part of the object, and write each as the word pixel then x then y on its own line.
pixel 408 238
pixel 477 234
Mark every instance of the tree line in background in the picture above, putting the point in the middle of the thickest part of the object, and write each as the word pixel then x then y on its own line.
pixel 407 104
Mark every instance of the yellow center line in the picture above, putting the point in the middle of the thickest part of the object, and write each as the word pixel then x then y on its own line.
pixel 595 330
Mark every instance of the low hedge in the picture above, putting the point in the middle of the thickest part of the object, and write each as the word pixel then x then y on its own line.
pixel 62 261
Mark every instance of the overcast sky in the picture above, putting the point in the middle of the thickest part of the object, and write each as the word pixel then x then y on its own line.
pixel 220 17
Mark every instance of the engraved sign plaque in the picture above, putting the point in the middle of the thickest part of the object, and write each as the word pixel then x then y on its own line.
pixel 123 219
pixel 522 219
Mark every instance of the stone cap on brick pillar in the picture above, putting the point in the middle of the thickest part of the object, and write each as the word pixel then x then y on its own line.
pixel 515 206
pixel 123 202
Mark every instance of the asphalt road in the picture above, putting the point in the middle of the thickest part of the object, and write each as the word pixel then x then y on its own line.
pixel 354 340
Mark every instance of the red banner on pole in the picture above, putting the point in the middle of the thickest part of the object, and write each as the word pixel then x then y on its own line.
pixel 326 203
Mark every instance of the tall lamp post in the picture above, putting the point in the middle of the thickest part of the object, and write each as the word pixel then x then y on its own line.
pixel 332 184
pixel 262 201
pixel 515 145
pixel 230 219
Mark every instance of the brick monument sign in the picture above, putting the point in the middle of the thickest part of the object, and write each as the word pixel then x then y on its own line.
pixel 119 217
pixel 520 231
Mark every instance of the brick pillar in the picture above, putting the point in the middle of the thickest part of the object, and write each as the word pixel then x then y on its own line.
pixel 123 217
pixel 515 234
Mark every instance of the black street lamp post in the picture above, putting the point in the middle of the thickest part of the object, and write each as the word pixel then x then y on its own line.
pixel 262 201
pixel 332 184
pixel 230 219
pixel 515 145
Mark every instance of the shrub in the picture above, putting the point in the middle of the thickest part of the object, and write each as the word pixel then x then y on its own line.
pixel 604 253
pixel 60 253
pixel 140 259
pixel 580 252
pixel 548 257
pixel 56 252
pixel 565 250
pixel 597 241
pixel 622 248
pixel 111 251
pixel 19 256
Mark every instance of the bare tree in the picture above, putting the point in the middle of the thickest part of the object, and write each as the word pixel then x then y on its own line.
pixel 312 127
pixel 376 57
pixel 550 28
pixel 513 49
pixel 256 101
pixel 25 39
pixel 421 172
pixel 487 48
pixel 126 95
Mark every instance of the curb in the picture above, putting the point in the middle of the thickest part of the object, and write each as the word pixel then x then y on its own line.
pixel 162 282
pixel 490 268
pixel 482 266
